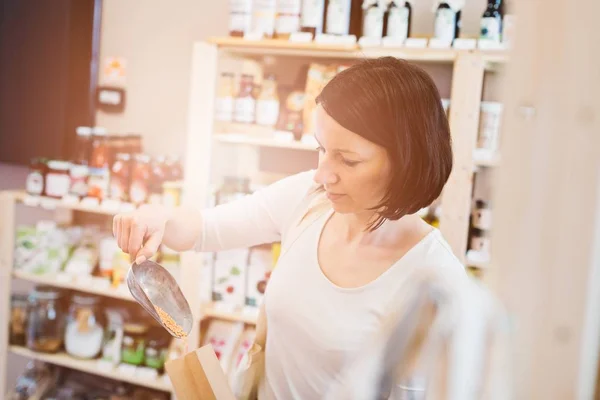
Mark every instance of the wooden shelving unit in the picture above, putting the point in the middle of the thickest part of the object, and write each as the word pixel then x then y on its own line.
pixel 93 367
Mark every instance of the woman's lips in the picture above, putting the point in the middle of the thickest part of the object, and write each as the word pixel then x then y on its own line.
pixel 334 196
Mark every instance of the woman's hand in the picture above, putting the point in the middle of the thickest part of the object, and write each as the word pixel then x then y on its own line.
pixel 140 233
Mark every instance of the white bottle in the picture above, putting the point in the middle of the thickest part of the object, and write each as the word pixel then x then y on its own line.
pixel 288 17
pixel 398 23
pixel 263 17
pixel 338 17
pixel 373 13
pixel 240 17
pixel 447 20
pixel 311 19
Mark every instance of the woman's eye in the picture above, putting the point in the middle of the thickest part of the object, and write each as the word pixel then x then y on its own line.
pixel 350 163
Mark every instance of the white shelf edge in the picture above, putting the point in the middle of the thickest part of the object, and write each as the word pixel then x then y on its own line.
pixel 51 280
pixel 90 366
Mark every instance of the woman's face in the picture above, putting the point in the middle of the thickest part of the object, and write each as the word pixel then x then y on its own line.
pixel 354 171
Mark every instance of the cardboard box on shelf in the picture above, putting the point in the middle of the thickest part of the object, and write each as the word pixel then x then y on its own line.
pixel 198 376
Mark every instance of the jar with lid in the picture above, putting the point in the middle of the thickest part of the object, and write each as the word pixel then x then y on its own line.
pixel 79 180
pixel 120 177
pixel 233 187
pixel 85 327
pixel 225 97
pixel 134 343
pixel 36 178
pixel 45 320
pixel 140 180
pixel 267 104
pixel 245 102
pixel 158 176
pixel 18 319
pixel 58 181
pixel 83 145
pixel 99 165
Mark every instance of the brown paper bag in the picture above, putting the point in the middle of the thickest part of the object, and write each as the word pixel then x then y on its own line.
pixel 199 376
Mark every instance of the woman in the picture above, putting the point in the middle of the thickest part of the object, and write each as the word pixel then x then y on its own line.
pixel 385 153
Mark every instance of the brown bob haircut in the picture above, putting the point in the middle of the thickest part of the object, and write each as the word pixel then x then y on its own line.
pixel 396 105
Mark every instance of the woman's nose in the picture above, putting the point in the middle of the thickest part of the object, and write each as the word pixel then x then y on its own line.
pixel 325 175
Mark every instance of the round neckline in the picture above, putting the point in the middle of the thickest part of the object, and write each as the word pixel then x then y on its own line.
pixel 393 266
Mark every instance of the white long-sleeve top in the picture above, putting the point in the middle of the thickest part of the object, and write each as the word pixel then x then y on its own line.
pixel 314 327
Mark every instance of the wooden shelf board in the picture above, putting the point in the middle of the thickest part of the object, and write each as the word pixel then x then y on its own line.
pixel 209 311
pixel 51 204
pixel 91 367
pixel 263 141
pixel 56 281
pixel 311 49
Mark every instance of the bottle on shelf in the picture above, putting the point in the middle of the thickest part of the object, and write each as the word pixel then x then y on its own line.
pixel 312 17
pixel 225 97
pixel 79 172
pixel 240 17
pixel 267 103
pixel 491 21
pixel 373 18
pixel 447 20
pixel 288 18
pixel 245 103
pixel 399 20
pixel 120 177
pixel 263 18
pixel 343 17
pixel 98 183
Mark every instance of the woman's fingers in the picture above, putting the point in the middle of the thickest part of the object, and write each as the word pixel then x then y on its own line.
pixel 150 247
pixel 125 231
pixel 136 238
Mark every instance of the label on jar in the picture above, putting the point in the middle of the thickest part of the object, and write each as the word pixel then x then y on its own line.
pixel 35 183
pixel 79 181
pixel 287 24
pixel 138 193
pixel 224 109
pixel 245 109
pixel 373 24
pixel 490 28
pixel 338 17
pixel 267 112
pixel 312 14
pixel 83 317
pixel 240 22
pixel 445 27
pixel 57 185
pixel 398 23
pixel 98 183
pixel 264 17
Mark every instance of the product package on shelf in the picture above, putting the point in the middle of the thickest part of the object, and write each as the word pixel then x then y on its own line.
pixel 243 345
pixel 229 269
pixel 223 336
pixel 259 272
pixel 41 249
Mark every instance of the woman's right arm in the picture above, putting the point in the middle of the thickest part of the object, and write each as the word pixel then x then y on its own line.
pixel 251 220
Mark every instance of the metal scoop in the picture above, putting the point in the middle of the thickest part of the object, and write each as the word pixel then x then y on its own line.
pixel 153 286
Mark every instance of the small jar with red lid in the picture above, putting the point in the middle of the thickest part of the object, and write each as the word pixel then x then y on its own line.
pixel 58 181
pixel 140 179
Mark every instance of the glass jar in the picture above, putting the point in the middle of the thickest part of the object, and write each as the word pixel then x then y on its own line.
pixel 46 320
pixel 134 343
pixel 58 180
pixel 140 180
pixel 156 351
pixel 99 170
pixel 36 177
pixel 113 338
pixel 18 319
pixel 85 327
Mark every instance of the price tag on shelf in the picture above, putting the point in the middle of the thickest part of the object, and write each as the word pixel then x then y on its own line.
pixel 32 201
pixel 84 280
pixel 392 42
pixel 127 369
pixel 487 44
pixel 111 205
pixel 301 37
pixel 369 42
pixel 48 203
pixel 63 277
pixel 435 43
pixel 416 43
pixel 70 200
pixel 465 44
pixel 253 36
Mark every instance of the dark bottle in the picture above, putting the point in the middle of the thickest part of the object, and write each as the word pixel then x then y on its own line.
pixel 447 22
pixel 399 20
pixel 312 17
pixel 491 21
